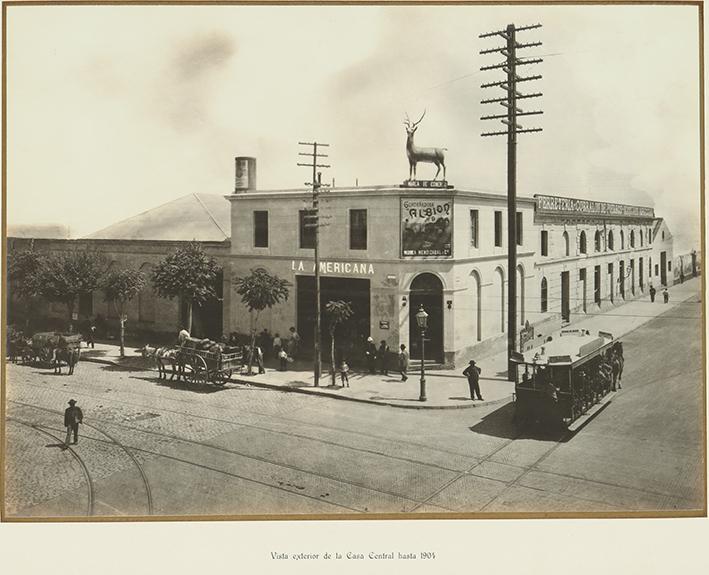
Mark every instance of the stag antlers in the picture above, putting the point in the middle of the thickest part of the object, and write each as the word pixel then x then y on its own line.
pixel 408 124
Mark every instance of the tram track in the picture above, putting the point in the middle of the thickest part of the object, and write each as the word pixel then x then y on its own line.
pixel 319 426
pixel 113 441
pixel 246 456
pixel 91 499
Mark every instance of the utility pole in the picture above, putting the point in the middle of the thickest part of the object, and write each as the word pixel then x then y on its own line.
pixel 312 220
pixel 509 66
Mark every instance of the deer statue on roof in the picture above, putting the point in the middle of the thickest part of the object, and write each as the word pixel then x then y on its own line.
pixel 429 155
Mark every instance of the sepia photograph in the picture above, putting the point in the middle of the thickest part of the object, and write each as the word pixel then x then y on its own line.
pixel 334 262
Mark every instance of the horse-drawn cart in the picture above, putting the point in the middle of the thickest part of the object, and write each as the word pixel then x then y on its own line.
pixel 51 348
pixel 210 365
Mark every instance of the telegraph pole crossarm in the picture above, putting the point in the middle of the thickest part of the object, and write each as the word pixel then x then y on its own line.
pixel 509 67
pixel 312 220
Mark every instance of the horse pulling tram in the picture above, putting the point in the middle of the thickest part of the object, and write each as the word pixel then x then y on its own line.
pixel 566 378
pixel 203 361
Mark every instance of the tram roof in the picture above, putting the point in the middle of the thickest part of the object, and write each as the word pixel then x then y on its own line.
pixel 571 346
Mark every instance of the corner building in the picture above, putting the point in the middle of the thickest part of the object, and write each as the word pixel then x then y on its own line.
pixel 390 249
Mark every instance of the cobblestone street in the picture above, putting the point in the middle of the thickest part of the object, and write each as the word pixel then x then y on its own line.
pixel 164 448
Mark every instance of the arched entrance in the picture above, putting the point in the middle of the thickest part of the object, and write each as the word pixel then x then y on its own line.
pixel 427 290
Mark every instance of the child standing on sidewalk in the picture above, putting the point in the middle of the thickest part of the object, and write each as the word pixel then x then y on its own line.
pixel 344 368
pixel 283 359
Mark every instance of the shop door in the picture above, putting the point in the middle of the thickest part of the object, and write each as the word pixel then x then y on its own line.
pixel 427 291
pixel 621 278
pixel 597 285
pixel 663 268
pixel 565 308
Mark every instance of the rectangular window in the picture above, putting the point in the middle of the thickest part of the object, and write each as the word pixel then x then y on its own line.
pixel 669 266
pixel 358 229
pixel 545 243
pixel 498 229
pixel 519 229
pixel 474 227
pixel 307 233
pixel 260 229
pixel 657 269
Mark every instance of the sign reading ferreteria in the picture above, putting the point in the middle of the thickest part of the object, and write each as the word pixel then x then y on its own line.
pixel 426 226
pixel 560 205
pixel 354 268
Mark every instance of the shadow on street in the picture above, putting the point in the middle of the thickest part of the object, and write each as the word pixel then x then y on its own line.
pixel 499 423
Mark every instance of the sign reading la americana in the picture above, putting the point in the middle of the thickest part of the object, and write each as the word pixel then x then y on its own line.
pixel 360 268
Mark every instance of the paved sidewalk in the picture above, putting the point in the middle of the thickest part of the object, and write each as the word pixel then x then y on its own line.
pixel 445 389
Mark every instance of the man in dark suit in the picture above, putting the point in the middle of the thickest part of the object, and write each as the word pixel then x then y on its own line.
pixel 472 372
pixel 72 418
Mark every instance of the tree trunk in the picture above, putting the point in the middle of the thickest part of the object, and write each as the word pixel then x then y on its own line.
pixel 332 355
pixel 253 343
pixel 189 316
pixel 70 308
pixel 123 330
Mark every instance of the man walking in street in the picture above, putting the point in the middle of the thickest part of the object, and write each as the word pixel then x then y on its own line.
pixel 403 362
pixel 72 418
pixel 653 291
pixel 472 372
pixel 665 295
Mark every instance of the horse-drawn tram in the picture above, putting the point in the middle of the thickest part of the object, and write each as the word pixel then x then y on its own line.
pixel 559 383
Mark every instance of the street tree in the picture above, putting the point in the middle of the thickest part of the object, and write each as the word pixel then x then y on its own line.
pixel 338 312
pixel 66 276
pixel 120 287
pixel 259 291
pixel 188 274
pixel 24 271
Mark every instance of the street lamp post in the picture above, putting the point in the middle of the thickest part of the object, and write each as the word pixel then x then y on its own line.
pixel 422 321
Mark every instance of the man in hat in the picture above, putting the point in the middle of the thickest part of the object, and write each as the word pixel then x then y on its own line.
pixel 371 355
pixel 472 372
pixel 72 418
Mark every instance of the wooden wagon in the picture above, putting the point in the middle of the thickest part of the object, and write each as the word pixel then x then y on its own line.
pixel 210 365
pixel 43 344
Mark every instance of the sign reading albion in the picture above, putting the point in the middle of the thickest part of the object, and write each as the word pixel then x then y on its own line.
pixel 426 226
pixel 555 204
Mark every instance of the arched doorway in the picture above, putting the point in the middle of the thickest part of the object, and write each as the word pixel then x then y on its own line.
pixel 427 290
pixel 477 306
pixel 499 280
pixel 520 295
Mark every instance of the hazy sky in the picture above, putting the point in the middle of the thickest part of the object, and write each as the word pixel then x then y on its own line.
pixel 114 110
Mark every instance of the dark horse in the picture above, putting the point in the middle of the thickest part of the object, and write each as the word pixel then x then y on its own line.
pixel 70 356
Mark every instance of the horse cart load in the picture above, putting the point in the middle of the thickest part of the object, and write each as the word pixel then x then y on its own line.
pixel 44 344
pixel 204 360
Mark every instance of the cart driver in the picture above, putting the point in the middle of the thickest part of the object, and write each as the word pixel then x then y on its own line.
pixel 182 336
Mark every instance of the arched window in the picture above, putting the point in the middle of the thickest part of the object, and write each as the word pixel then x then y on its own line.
pixel 632 238
pixel 610 240
pixel 565 235
pixel 649 236
pixel 663 236
pixel 544 295
pixel 622 240
pixel 597 241
pixel 642 240
pixel 582 242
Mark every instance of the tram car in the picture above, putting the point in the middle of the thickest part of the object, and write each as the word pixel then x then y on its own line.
pixel 565 378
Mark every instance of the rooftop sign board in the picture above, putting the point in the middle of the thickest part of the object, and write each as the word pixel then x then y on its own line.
pixel 559 205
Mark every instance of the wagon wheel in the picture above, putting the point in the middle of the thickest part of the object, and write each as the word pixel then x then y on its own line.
pixel 222 376
pixel 199 373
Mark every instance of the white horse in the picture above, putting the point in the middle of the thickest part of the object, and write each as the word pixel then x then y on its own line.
pixel 161 355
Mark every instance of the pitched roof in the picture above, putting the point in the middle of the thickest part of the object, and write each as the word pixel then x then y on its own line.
pixel 200 217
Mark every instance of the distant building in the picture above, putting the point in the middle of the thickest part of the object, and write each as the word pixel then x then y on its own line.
pixel 139 243
pixel 39 231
